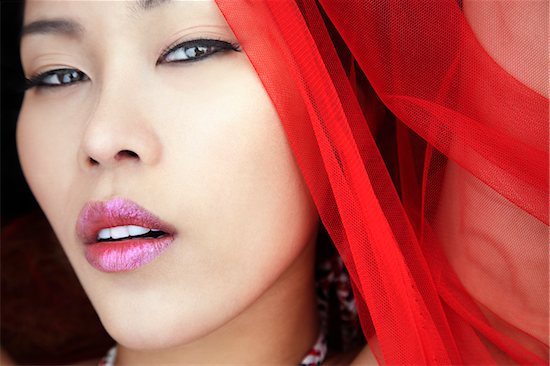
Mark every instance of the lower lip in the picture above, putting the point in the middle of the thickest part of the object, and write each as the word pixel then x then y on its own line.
pixel 126 255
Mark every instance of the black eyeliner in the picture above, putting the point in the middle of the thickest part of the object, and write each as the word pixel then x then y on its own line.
pixel 204 42
pixel 37 80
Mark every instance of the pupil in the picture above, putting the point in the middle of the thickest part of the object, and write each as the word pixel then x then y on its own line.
pixel 68 77
pixel 196 51
pixel 200 51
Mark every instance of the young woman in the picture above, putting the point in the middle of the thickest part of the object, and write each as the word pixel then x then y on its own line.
pixel 185 153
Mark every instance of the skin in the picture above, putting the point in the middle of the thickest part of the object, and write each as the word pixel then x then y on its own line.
pixel 199 146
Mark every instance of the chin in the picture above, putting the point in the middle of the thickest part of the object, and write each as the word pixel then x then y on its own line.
pixel 145 332
pixel 155 322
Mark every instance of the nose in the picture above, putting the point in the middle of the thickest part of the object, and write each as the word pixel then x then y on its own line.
pixel 119 132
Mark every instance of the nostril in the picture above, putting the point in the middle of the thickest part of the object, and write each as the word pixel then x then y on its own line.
pixel 126 154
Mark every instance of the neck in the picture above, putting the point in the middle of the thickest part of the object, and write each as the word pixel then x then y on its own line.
pixel 279 327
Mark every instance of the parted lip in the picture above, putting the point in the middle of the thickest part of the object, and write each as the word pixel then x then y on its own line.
pixel 98 215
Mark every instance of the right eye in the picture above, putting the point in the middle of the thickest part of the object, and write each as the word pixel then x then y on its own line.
pixel 57 78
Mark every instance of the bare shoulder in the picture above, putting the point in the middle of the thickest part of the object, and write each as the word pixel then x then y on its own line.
pixel 365 357
pixel 5 359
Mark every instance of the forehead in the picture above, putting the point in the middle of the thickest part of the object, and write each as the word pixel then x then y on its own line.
pixel 132 6
pixel 76 17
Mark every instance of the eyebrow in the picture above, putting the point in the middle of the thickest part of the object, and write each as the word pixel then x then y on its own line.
pixel 73 29
pixel 150 4
pixel 55 26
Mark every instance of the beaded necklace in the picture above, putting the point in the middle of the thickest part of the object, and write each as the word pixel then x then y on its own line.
pixel 314 357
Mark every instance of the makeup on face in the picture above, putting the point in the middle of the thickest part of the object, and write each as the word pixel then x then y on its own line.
pixel 119 235
pixel 163 128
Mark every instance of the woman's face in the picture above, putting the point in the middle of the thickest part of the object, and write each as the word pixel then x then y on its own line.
pixel 189 134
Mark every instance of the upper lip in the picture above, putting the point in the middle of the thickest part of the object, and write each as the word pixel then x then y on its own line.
pixel 98 215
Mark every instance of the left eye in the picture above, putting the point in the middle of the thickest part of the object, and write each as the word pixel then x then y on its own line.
pixel 196 50
pixel 57 78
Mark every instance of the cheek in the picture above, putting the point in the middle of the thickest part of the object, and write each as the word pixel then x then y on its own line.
pixel 47 153
pixel 246 212
pixel 236 167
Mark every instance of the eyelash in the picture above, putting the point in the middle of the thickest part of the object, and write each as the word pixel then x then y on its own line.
pixel 211 45
pixel 195 50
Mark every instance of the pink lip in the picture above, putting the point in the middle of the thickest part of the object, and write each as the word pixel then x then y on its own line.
pixel 123 255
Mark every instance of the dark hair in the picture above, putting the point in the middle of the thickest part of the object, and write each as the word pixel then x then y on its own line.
pixel 16 196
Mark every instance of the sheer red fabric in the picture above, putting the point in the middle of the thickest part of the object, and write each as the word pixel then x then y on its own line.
pixel 440 209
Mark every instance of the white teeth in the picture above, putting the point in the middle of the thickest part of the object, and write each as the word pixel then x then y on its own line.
pixel 137 230
pixel 120 232
pixel 104 234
